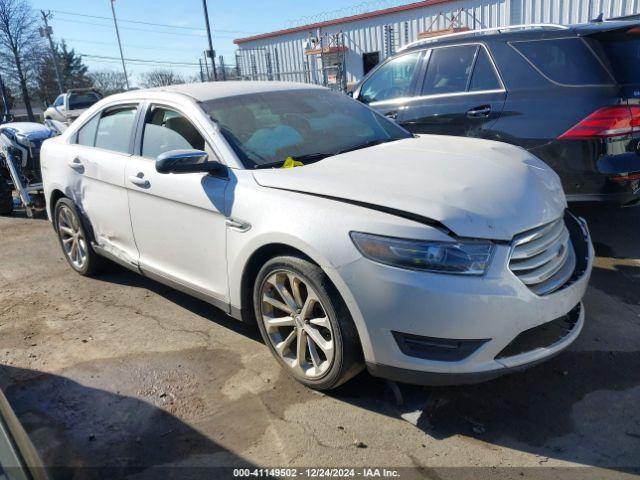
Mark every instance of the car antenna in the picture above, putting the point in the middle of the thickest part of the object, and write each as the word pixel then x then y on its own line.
pixel 598 19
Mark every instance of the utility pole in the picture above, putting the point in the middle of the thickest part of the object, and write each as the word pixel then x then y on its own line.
pixel 46 32
pixel 222 68
pixel 206 67
pixel 210 53
pixel 115 23
pixel 201 72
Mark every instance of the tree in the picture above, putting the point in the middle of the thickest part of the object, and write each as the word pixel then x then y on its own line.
pixel 20 43
pixel 160 78
pixel 4 89
pixel 72 70
pixel 108 82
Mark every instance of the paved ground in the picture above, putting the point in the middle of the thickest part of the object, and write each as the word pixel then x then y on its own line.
pixel 122 372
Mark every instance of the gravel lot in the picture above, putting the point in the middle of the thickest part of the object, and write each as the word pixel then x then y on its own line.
pixel 122 373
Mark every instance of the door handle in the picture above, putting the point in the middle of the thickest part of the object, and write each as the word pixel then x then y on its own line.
pixel 479 112
pixel 139 180
pixel 392 115
pixel 76 164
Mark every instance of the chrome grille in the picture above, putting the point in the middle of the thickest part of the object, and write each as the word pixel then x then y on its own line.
pixel 544 258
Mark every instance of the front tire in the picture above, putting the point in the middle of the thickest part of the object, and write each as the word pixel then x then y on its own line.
pixel 305 323
pixel 6 198
pixel 74 240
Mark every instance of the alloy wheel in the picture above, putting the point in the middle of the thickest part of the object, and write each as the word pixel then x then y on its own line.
pixel 297 323
pixel 73 241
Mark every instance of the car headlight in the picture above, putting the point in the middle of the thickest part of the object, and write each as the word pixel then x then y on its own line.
pixel 463 257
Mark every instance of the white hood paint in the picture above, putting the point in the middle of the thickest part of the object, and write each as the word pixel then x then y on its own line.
pixel 476 188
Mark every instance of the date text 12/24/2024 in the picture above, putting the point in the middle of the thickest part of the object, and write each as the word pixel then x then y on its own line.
pixel 317 472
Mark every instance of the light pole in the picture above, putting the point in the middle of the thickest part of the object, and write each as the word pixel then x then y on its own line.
pixel 115 23
pixel 210 52
pixel 46 32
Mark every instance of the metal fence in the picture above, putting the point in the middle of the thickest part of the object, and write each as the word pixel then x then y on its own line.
pixel 322 63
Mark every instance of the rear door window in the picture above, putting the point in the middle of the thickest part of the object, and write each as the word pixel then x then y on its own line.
pixel 115 128
pixel 392 80
pixel 87 134
pixel 484 75
pixel 449 70
pixel 566 61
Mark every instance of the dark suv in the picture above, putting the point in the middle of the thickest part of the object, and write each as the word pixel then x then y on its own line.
pixel 570 95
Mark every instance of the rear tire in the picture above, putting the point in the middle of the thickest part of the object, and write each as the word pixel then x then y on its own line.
pixel 74 240
pixel 305 323
pixel 6 198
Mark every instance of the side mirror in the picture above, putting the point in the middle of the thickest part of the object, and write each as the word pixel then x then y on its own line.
pixel 350 94
pixel 185 161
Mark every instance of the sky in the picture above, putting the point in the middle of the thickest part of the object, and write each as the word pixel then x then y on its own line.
pixel 184 41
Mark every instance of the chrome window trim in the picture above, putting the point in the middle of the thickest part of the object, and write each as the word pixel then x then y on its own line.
pixel 404 100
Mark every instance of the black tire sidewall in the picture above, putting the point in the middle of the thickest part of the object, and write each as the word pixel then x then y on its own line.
pixel 6 198
pixel 346 347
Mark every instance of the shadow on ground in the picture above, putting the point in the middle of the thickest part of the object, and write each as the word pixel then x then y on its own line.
pixel 83 432
pixel 121 276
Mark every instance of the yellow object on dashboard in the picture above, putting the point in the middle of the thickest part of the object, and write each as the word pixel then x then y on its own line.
pixel 291 163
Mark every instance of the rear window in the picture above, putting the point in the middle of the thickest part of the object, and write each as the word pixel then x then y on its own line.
pixel 82 100
pixel 623 53
pixel 567 61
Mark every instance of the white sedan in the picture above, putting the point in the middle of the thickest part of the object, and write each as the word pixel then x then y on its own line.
pixel 349 241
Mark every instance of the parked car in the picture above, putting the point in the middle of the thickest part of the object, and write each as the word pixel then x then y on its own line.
pixel 20 144
pixel 69 106
pixel 431 259
pixel 569 95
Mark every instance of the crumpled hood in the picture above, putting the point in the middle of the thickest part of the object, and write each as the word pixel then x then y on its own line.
pixel 31 130
pixel 476 188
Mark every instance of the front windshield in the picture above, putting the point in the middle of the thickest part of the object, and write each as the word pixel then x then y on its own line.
pixel 266 128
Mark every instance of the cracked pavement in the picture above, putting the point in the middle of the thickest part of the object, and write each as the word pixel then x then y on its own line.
pixel 123 375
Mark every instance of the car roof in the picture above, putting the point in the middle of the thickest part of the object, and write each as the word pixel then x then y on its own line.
pixel 206 91
pixel 527 32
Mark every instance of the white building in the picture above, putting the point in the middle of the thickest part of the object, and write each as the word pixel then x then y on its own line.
pixel 339 52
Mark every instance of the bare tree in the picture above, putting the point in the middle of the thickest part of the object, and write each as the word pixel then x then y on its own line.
pixel 108 82
pixel 160 78
pixel 20 43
